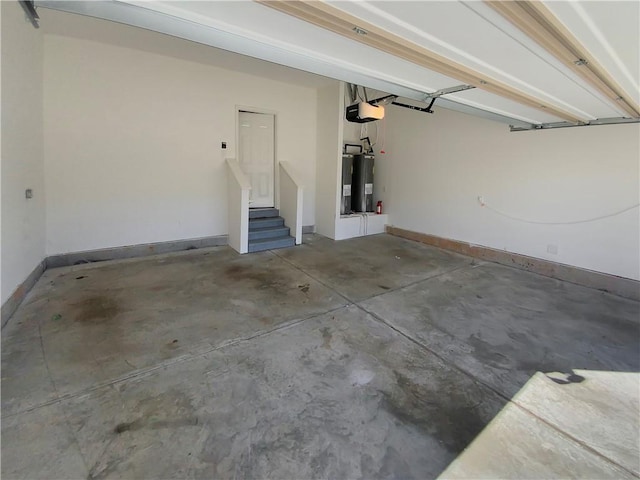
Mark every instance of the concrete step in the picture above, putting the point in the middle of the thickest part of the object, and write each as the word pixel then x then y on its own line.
pixel 271 243
pixel 268 222
pixel 263 212
pixel 271 232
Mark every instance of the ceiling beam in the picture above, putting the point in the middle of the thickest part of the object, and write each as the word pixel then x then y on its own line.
pixel 326 16
pixel 539 23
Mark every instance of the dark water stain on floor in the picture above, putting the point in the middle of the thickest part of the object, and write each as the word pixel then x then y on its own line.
pixel 394 466
pixel 326 337
pixel 445 413
pixel 155 424
pixel 488 354
pixel 171 409
pixel 96 309
pixel 247 272
pixel 261 278
pixel 119 452
pixel 98 326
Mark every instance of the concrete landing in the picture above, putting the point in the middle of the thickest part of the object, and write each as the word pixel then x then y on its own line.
pixel 374 357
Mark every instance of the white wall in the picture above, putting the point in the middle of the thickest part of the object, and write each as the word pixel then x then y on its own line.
pixel 437 165
pixel 23 221
pixel 329 146
pixel 132 143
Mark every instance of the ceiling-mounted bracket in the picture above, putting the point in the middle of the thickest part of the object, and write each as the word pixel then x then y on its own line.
pixel 431 97
pixel 386 100
pixel 426 109
pixel 30 9
pixel 449 90
pixel 391 100
pixel 599 121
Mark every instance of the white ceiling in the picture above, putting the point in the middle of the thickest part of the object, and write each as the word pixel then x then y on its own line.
pixel 470 33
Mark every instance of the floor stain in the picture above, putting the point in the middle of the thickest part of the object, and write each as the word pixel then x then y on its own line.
pixel 321 463
pixel 445 413
pixel 394 466
pixel 96 309
pixel 304 288
pixel 171 409
pixel 487 353
pixel 104 468
pixel 326 337
pixel 262 278
pixel 123 427
pixel 100 328
pixel 156 424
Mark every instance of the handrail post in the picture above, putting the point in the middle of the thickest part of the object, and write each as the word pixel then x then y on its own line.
pixel 291 199
pixel 238 188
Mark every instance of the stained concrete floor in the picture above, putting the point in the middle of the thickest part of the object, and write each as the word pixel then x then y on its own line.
pixel 367 358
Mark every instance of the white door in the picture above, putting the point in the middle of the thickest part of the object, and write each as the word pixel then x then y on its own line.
pixel 257 157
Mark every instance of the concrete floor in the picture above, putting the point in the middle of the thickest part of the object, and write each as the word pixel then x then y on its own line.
pixel 367 358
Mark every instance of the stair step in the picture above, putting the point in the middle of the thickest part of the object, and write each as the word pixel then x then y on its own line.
pixel 270 232
pixel 256 223
pixel 263 212
pixel 271 244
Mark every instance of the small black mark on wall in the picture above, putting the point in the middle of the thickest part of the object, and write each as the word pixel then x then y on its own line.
pixel 81 277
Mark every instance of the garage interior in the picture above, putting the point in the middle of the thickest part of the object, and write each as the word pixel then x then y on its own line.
pixel 161 320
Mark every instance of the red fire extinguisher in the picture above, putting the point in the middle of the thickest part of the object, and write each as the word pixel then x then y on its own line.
pixel 379 207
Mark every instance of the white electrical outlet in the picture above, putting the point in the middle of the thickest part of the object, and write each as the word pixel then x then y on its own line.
pixel 552 249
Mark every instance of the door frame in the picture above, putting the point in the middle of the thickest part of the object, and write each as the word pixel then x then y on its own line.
pixel 276 170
